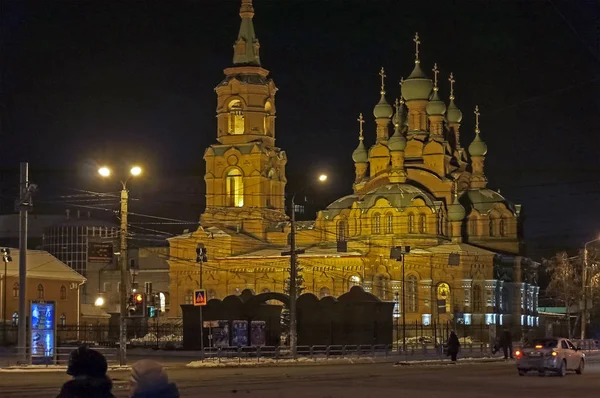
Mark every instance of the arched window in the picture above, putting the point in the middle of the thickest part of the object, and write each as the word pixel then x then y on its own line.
pixel 381 287
pixel 234 184
pixel 62 321
pixel 443 294
pixel 162 302
pixel 422 224
pixel 189 297
pixel 376 227
pixel 40 291
pixel 473 227
pixel 15 318
pixel 477 299
pixel 412 303
pixel 342 230
pixel 324 292
pixel 411 223
pixel 63 293
pixel 502 227
pixel 16 290
pixel 491 225
pixel 356 229
pixel 353 281
pixel 389 223
pixel 236 117
pixel 267 119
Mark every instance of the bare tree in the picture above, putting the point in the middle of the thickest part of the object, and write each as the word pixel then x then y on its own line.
pixel 565 283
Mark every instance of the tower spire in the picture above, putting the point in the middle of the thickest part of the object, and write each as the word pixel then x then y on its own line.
pixel 246 47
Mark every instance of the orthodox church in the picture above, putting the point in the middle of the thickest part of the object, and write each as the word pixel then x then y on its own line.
pixel 419 210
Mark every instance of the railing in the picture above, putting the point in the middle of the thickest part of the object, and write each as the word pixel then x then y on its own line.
pixel 14 356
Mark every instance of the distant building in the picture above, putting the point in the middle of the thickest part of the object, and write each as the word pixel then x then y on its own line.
pixel 37 223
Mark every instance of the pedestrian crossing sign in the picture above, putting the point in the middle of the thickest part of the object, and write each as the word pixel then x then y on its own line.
pixel 199 297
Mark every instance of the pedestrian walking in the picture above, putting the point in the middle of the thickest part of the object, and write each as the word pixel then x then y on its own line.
pixel 506 343
pixel 88 368
pixel 149 380
pixel 453 346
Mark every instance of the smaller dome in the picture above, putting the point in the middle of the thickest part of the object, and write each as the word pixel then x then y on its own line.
pixel 456 211
pixel 383 110
pixel 417 86
pixel 477 147
pixel 397 142
pixel 360 154
pixel 454 115
pixel 436 106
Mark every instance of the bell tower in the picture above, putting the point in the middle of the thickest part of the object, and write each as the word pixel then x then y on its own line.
pixel 245 171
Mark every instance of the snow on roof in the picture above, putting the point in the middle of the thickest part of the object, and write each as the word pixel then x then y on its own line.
pixel 43 265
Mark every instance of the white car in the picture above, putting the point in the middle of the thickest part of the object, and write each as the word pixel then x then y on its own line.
pixel 551 354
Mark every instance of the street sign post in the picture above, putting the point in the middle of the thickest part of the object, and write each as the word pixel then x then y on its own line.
pixel 199 297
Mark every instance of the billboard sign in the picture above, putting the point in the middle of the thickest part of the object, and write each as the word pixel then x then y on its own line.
pixel 240 333
pixel 43 328
pixel 100 252
pixel 257 329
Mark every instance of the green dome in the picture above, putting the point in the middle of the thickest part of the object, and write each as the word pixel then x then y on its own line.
pixel 477 147
pixel 417 86
pixel 360 154
pixel 383 110
pixel 397 142
pixel 456 211
pixel 436 106
pixel 454 115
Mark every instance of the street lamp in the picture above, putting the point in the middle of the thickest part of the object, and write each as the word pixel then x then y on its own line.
pixel 585 286
pixel 133 172
pixel 99 302
pixel 293 274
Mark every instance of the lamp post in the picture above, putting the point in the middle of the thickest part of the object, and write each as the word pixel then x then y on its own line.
pixel 398 253
pixel 133 172
pixel 294 274
pixel 585 286
pixel 6 257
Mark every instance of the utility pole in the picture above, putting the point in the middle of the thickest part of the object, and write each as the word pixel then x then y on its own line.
pixel 200 254
pixel 6 258
pixel 124 279
pixel 293 277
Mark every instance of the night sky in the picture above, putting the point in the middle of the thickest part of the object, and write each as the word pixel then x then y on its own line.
pixel 88 82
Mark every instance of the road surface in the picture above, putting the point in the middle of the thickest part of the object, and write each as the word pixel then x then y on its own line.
pixel 329 381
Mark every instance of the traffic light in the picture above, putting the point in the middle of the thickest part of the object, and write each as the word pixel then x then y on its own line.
pixel 201 253
pixel 6 255
pixel 152 306
pixel 137 305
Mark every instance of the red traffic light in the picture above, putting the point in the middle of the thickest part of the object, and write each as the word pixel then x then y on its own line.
pixel 139 298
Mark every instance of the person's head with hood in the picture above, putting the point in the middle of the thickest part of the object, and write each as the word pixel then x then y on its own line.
pixel 149 379
pixel 88 368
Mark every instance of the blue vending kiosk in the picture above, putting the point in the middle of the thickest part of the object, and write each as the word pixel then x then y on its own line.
pixel 43 331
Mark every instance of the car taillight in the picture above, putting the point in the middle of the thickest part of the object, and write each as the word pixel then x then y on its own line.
pixel 554 353
pixel 518 354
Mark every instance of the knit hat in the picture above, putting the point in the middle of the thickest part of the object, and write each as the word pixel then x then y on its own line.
pixel 87 362
pixel 147 375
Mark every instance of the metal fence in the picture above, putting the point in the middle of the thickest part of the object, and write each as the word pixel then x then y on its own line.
pixel 14 356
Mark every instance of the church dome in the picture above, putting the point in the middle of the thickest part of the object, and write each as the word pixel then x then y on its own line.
pixel 399 195
pixel 336 207
pixel 397 142
pixel 454 115
pixel 360 154
pixel 477 147
pixel 435 106
pixel 483 200
pixel 417 86
pixel 383 110
pixel 456 211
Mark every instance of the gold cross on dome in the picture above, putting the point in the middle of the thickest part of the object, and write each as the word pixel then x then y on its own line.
pixel 360 122
pixel 477 118
pixel 417 42
pixel 383 76
pixel 436 71
pixel 452 81
pixel 397 105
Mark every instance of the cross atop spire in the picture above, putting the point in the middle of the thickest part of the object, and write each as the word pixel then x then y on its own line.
pixel 246 47
pixel 397 106
pixel 452 81
pixel 436 71
pixel 383 76
pixel 417 42
pixel 477 119
pixel 360 123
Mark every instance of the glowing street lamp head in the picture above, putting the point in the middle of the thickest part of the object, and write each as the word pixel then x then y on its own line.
pixel 99 302
pixel 136 171
pixel 104 171
pixel 323 177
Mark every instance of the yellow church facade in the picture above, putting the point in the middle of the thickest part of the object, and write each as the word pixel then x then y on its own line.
pixel 415 187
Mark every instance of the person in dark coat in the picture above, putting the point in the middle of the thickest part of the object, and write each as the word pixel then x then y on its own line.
pixel 453 346
pixel 149 380
pixel 506 343
pixel 88 368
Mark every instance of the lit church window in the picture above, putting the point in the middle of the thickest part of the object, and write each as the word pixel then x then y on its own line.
pixel 411 223
pixel 236 117
pixel 443 295
pixel 389 223
pixel 422 224
pixel 376 227
pixel 235 188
